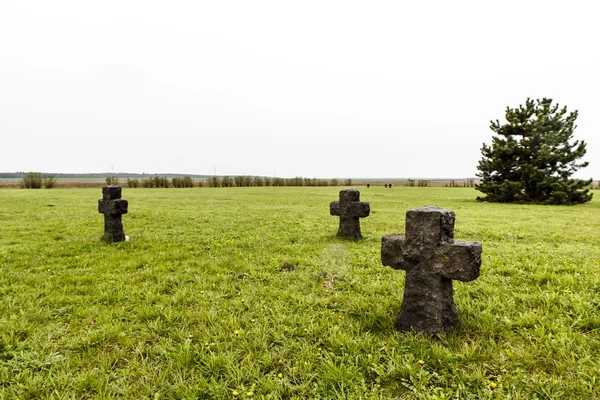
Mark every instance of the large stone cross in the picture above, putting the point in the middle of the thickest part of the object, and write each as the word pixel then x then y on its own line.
pixel 112 206
pixel 432 259
pixel 349 208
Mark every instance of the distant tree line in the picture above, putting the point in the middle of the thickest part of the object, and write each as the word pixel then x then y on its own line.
pixel 228 181
pixel 102 175
pixel 246 181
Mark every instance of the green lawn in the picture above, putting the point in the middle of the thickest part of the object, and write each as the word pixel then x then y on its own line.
pixel 197 306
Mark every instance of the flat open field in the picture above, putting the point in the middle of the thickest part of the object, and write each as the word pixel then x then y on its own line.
pixel 198 306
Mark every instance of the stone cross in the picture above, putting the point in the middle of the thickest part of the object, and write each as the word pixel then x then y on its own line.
pixel 432 259
pixel 112 206
pixel 349 208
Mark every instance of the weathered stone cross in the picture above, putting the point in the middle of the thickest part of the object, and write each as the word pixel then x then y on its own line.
pixel 349 208
pixel 112 206
pixel 432 259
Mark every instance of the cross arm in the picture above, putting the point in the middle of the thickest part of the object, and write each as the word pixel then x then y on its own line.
pixel 113 207
pixel 102 206
pixel 459 260
pixel 360 209
pixel 334 208
pixel 391 251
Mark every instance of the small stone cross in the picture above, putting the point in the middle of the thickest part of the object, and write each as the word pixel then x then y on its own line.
pixel 349 208
pixel 432 259
pixel 112 206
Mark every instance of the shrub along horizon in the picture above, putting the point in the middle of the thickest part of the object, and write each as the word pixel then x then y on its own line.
pixel 37 180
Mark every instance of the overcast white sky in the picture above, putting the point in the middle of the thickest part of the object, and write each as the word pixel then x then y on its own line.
pixel 287 88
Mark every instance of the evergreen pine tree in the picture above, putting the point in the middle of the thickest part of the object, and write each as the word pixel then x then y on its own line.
pixel 533 156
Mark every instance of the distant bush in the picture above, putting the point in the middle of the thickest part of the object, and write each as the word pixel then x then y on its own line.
pixel 410 182
pixel 465 183
pixel 147 182
pixel 422 182
pixel 49 181
pixel 161 182
pixel 227 181
pixel 296 181
pixel 184 182
pixel 258 181
pixel 32 180
pixel 214 181
pixel 156 182
pixel 112 180
pixel 133 183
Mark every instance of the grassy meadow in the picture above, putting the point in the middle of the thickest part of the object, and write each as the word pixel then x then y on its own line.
pixel 226 293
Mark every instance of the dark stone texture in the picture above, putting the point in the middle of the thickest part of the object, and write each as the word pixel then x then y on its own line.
pixel 112 206
pixel 349 208
pixel 432 259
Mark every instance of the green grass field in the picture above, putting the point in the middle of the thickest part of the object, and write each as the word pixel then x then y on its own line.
pixel 197 306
